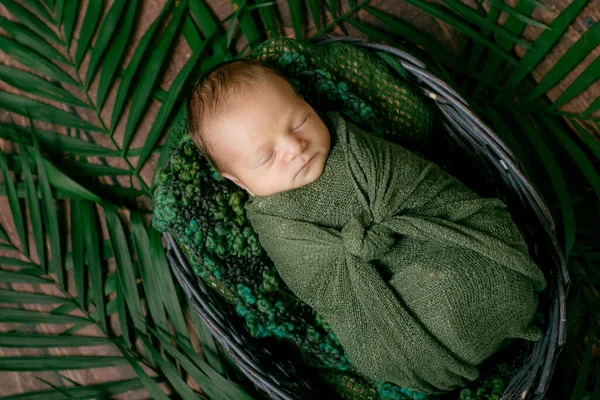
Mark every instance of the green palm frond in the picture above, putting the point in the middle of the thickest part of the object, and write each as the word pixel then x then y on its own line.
pixel 85 173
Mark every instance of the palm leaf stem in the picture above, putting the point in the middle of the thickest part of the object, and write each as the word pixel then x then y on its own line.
pixel 116 341
pixel 135 173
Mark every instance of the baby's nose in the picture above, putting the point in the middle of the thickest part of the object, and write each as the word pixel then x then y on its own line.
pixel 294 148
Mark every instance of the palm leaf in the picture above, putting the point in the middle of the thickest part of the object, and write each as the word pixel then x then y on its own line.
pixel 87 169
pixel 209 346
pixel 115 53
pixel 35 85
pixel 269 18
pixel 167 287
pixel 141 94
pixel 65 308
pixel 124 265
pixel 38 340
pixel 127 292
pixel 43 112
pixel 315 11
pixel 61 181
pixel 67 395
pixel 49 213
pixel 576 53
pixel 596 393
pixel 26 316
pixel 213 384
pixel 70 18
pixel 452 20
pixel 90 21
pixel 49 4
pixel 33 60
pixel 470 15
pixel 210 29
pixel 141 245
pixel 6 247
pixel 24 363
pixel 92 256
pixel 478 48
pixel 590 143
pixel 78 250
pixel 582 377
pixel 105 33
pixel 9 296
pixel 15 262
pixel 83 392
pixel 34 210
pixel 21 277
pixel 232 18
pixel 544 44
pixel 246 22
pixel 132 67
pixel 514 13
pixel 59 11
pixel 30 40
pixel 166 109
pixel 541 5
pixel 39 9
pixel 203 17
pixel 3 235
pixel 30 21
pixel 149 383
pixel 297 18
pixel 13 201
pixel 579 157
pixel 54 142
pixel 590 75
pixel 513 25
pixel 171 373
pixel 556 178
pixel 122 314
pixel 406 31
pixel 593 107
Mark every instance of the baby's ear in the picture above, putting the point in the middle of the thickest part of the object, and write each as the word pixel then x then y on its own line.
pixel 233 179
pixel 230 177
pixel 236 181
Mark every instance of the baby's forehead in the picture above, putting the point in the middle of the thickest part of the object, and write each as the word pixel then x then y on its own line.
pixel 234 130
pixel 248 111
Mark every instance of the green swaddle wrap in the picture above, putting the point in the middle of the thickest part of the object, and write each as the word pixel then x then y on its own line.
pixel 420 279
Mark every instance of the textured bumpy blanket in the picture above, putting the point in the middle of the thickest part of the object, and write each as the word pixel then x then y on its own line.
pixel 420 279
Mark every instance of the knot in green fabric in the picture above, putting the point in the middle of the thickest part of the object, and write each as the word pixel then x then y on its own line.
pixel 366 240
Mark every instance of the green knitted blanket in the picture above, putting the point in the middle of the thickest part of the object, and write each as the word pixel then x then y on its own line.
pixel 420 279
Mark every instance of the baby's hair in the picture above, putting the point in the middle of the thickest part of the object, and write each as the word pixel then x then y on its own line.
pixel 214 93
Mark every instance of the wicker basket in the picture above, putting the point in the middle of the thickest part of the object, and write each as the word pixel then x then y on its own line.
pixel 471 142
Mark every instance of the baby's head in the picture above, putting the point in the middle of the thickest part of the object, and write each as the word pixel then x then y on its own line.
pixel 256 130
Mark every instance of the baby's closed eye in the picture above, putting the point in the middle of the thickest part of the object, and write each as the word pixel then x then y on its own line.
pixel 267 159
pixel 302 123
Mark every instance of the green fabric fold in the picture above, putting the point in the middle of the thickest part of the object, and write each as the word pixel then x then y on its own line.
pixel 420 279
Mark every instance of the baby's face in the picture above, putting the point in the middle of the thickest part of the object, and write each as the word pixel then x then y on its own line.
pixel 271 139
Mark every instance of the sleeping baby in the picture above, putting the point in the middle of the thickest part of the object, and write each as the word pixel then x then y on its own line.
pixel 420 279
